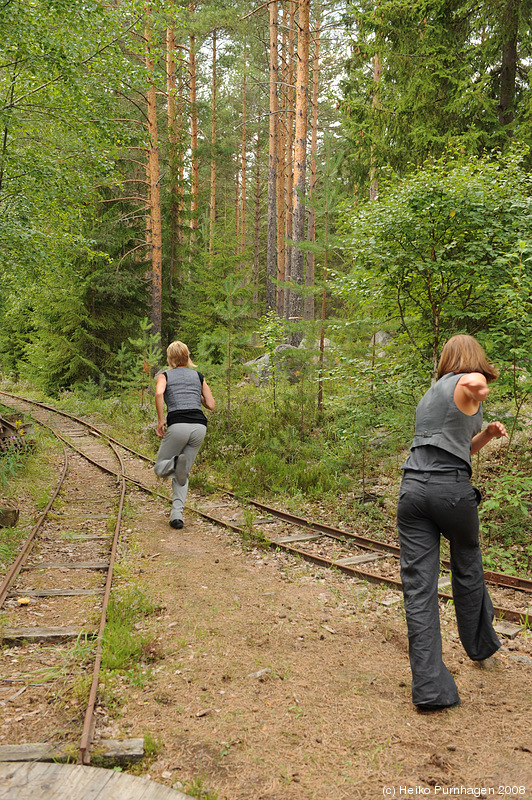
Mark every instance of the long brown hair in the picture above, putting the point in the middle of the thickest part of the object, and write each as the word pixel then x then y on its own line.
pixel 462 353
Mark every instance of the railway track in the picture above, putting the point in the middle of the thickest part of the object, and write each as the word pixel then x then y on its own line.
pixel 270 524
pixel 55 594
pixel 360 557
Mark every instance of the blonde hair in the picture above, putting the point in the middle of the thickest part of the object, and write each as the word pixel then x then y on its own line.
pixel 178 355
pixel 462 353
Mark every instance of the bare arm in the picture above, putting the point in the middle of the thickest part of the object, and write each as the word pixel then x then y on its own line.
pixel 493 431
pixel 206 396
pixel 469 392
pixel 159 404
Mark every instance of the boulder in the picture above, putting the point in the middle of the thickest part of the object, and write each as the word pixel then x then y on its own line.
pixel 8 517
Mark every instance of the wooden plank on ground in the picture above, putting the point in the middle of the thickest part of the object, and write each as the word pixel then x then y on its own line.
pixel 106 753
pixel 301 537
pixel 117 752
pixel 37 781
pixel 507 630
pixel 344 562
pixel 56 592
pixel 36 752
pixel 70 565
pixel 35 634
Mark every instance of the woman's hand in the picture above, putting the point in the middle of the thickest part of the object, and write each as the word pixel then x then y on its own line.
pixel 496 429
pixel 160 430
pixel 492 431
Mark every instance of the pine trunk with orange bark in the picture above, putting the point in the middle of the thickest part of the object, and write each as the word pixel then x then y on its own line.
pixel 212 204
pixel 289 159
pixel 308 312
pixel 300 156
pixel 194 176
pixel 155 197
pixel 271 247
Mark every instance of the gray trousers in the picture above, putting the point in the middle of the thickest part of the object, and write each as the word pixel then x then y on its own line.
pixel 185 439
pixel 431 504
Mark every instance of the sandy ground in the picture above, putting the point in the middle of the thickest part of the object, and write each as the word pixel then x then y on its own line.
pixel 277 680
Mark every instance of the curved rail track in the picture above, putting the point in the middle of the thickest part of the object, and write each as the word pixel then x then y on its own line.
pixel 360 557
pixel 67 560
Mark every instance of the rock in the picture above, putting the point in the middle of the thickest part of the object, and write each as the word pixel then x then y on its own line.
pixel 8 517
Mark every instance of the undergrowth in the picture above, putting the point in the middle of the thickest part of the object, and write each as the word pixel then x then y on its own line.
pixel 342 462
pixel 126 650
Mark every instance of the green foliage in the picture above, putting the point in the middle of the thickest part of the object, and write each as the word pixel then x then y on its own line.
pixel 197 788
pixel 124 647
pixel 10 540
pixel 297 451
pixel 511 334
pixel 505 521
pixel 437 247
pixel 11 460
pixel 424 76
pixel 147 357
pixel 152 746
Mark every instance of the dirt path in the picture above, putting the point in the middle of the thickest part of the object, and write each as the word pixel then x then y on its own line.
pixel 279 681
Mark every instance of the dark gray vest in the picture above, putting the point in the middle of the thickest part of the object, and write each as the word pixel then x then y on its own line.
pixel 183 389
pixel 439 422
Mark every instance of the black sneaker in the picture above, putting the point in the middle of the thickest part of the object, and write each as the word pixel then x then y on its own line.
pixel 176 523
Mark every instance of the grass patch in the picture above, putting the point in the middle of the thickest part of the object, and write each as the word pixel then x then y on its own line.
pixel 124 648
pixel 10 541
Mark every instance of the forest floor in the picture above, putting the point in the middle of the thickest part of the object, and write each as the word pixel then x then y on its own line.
pixel 278 680
pixel 273 679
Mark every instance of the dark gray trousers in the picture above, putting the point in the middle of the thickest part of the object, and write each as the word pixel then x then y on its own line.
pixel 431 504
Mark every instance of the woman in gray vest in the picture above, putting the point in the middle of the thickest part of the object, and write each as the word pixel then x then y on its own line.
pixel 184 391
pixel 436 497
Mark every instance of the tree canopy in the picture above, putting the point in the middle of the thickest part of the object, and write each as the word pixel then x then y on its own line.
pixel 151 168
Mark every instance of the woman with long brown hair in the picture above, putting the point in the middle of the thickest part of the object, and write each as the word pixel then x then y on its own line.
pixel 437 498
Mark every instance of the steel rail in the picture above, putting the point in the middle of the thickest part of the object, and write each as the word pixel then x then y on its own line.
pixel 88 725
pixel 496 578
pixel 89 718
pixel 80 421
pixel 499 579
pixel 328 530
pixel 20 560
pixel 519 617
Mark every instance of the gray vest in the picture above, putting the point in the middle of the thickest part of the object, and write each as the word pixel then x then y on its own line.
pixel 183 389
pixel 439 422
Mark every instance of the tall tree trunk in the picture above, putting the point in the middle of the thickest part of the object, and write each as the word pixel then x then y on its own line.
pixel 256 237
pixel 271 255
pixel 180 156
pixel 171 92
pixel 237 206
pixel 281 173
pixel 289 166
pixel 243 162
pixel 308 312
pixel 300 156
pixel 155 197
pixel 212 205
pixel 509 63
pixel 194 177
pixel 5 133
pixel 373 176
